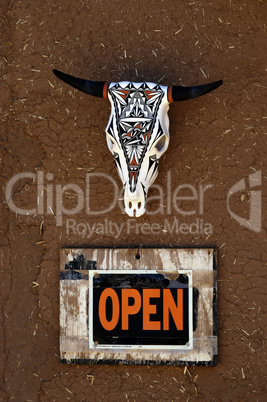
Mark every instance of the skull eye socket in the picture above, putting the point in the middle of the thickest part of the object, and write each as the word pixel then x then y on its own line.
pixel 111 143
pixel 162 144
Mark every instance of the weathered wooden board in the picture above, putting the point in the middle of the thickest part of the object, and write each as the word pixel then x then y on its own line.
pixel 78 267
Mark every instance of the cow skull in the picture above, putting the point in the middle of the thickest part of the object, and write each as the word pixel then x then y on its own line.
pixel 138 129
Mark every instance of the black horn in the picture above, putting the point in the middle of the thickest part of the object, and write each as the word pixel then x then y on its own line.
pixel 176 93
pixel 95 88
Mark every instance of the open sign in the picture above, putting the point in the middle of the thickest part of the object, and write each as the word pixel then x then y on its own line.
pixel 140 309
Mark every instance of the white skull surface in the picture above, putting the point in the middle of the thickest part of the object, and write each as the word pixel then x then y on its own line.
pixel 138 129
pixel 137 136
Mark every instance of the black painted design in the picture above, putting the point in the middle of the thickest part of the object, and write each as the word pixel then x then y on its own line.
pixel 136 110
pixel 80 263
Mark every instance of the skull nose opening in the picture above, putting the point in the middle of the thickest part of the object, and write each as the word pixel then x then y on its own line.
pixel 135 208
pixel 134 202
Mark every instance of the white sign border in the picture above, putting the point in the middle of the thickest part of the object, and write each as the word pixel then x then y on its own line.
pixel 93 346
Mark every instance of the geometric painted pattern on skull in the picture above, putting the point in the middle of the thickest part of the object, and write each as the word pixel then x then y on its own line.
pixel 136 110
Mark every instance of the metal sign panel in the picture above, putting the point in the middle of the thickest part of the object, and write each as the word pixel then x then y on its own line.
pixel 140 310
pixel 138 306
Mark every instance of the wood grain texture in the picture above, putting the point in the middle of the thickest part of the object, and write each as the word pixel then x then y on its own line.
pixel 74 288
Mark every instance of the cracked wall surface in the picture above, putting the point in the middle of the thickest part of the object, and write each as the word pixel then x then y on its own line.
pixel 216 141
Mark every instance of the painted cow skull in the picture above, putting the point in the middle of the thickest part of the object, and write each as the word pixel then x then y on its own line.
pixel 138 129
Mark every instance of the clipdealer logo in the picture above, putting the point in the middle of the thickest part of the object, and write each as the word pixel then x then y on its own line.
pixel 50 201
pixel 50 196
pixel 254 221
